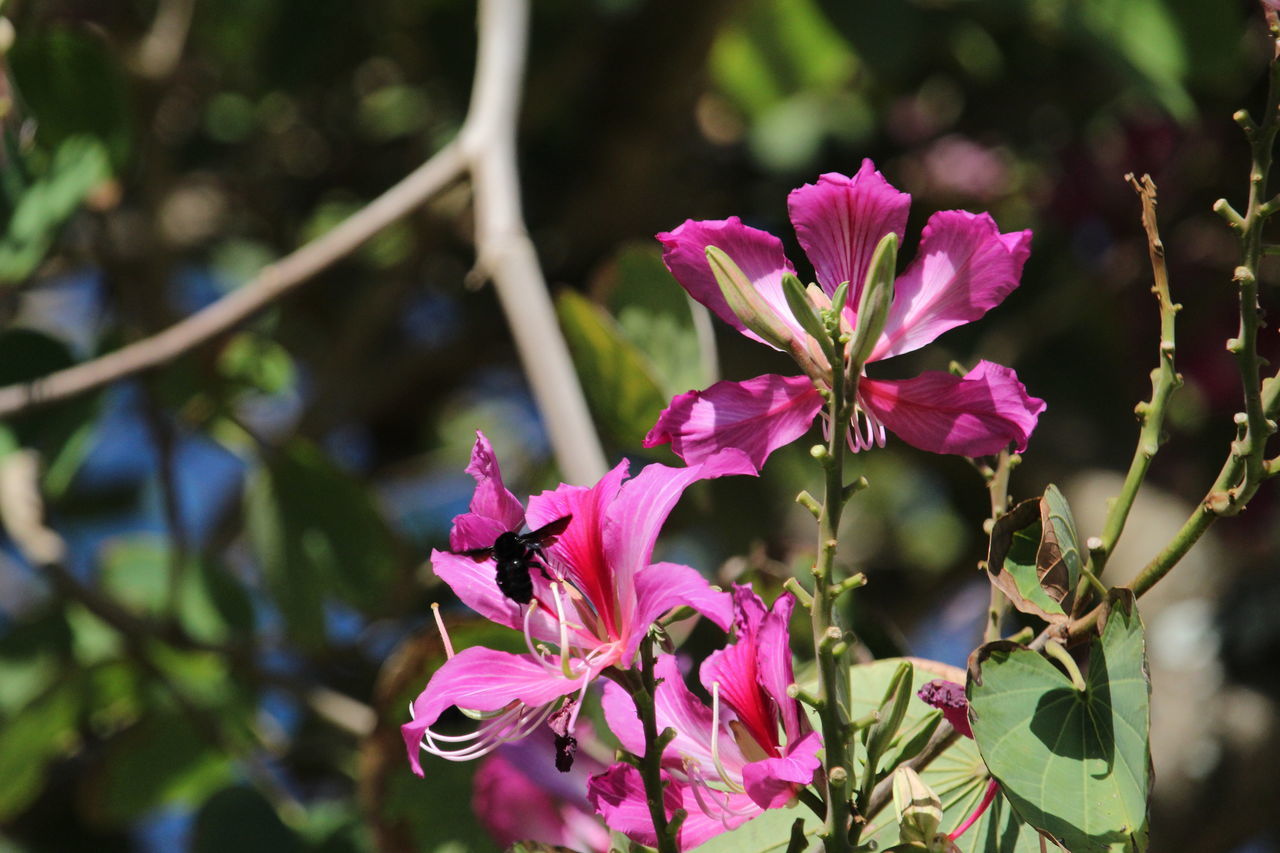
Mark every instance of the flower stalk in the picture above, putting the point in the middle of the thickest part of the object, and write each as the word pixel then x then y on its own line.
pixel 836 835
pixel 651 762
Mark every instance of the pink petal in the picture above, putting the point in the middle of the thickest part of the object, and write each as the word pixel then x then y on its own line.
pixel 964 268
pixel 490 501
pixel 483 679
pixel 757 417
pixel 773 782
pixel 950 698
pixel 473 581
pixel 618 795
pixel 664 586
pixel 633 521
pixel 773 663
pixel 676 707
pixel 512 808
pixel 978 415
pixel 580 551
pixel 757 253
pixel 735 669
pixel 840 220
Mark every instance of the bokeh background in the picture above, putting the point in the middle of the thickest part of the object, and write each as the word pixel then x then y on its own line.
pixel 261 509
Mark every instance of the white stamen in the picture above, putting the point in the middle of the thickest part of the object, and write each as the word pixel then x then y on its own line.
pixel 514 723
pixel 564 632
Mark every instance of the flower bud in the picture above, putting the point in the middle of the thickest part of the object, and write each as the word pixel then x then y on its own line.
pixel 918 808
pixel 745 301
pixel 873 305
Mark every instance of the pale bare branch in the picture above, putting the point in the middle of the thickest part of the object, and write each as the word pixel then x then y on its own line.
pixel 485 150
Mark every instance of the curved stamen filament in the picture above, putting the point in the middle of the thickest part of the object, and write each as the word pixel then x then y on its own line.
pixel 444 632
pixel 541 653
pixel 715 739
pixel 723 811
pixel 512 724
pixel 564 632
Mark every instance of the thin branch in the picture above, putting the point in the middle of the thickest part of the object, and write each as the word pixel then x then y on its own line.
pixel 271 283
pixel 484 149
pixel 503 248
pixel 158 53
pixel 1164 381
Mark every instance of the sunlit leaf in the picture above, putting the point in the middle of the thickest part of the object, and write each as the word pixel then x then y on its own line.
pixel 30 740
pixel 1076 764
pixel 656 315
pixel 619 381
pixel 768 833
pixel 79 165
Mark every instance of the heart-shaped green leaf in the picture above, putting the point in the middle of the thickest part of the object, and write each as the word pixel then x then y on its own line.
pixel 1073 763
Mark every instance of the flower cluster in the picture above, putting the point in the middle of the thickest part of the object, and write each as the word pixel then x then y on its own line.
pixel 593 595
pixel 964 267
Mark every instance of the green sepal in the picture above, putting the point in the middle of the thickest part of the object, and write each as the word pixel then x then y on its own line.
pixel 873 305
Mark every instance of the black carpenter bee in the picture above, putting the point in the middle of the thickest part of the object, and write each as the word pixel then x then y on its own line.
pixel 516 554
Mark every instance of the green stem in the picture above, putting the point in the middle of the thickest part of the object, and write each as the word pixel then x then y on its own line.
pixel 1164 381
pixel 1059 652
pixel 1201 519
pixel 1246 466
pixel 651 761
pixel 1258 427
pixel 998 489
pixel 836 833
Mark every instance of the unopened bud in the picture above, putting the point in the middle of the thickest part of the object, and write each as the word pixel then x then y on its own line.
pixel 746 302
pixel 873 305
pixel 918 808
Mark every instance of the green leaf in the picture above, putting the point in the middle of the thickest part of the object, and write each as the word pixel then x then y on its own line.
pixel 958 776
pixel 30 740
pixel 1035 557
pixel 1075 764
pixel 79 165
pixel 240 819
pixel 74 86
pixel 618 380
pixel 317 532
pixel 27 354
pixel 656 315
pixel 257 362
pixel 767 833
pixel 161 760
pixel 32 653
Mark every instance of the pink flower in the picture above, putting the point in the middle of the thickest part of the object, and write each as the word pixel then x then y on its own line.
pixel 589 614
pixel 751 750
pixel 963 268
pixel 518 796
pixel 948 697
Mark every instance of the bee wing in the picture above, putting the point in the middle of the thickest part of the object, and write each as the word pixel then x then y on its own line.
pixel 548 531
